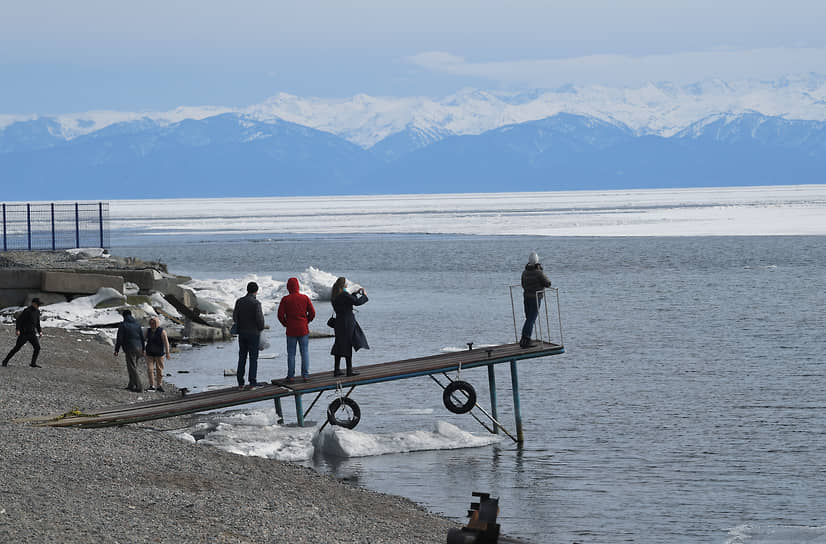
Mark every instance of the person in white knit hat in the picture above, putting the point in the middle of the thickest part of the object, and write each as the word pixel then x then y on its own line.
pixel 534 282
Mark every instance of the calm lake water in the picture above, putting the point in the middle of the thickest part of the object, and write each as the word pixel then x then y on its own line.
pixel 688 407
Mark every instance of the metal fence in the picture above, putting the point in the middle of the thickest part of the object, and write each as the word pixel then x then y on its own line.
pixel 549 321
pixel 55 226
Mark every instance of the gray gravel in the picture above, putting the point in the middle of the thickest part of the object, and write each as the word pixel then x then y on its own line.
pixel 139 484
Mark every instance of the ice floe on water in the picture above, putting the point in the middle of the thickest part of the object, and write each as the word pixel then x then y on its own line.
pixel 257 433
pixel 776 534
pixel 318 284
pixel 251 433
pixel 341 442
pixel 706 211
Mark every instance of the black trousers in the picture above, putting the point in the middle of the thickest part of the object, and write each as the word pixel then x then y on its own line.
pixel 21 340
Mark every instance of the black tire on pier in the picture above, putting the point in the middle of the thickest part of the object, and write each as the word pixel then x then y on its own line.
pixel 457 406
pixel 345 404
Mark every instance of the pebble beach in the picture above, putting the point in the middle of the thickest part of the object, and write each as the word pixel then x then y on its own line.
pixel 137 483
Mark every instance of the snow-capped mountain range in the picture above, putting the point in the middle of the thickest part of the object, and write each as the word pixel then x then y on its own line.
pixel 659 135
pixel 656 108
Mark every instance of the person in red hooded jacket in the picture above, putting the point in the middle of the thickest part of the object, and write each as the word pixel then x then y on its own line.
pixel 295 311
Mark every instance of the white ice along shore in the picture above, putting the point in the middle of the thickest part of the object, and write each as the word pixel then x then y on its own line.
pixel 215 299
pixel 713 211
pixel 256 433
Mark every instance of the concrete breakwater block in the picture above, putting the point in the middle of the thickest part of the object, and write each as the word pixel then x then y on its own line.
pixel 85 284
pixel 20 278
pixel 203 333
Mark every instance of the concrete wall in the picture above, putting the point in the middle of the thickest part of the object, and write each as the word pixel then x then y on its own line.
pixel 13 297
pixel 81 284
pixel 144 279
pixel 20 278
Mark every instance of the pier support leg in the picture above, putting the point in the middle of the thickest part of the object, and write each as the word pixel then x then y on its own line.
pixel 278 410
pixel 299 410
pixel 492 387
pixel 517 412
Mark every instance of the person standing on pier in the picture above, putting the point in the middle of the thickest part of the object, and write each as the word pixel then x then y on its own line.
pixel 534 282
pixel 130 338
pixel 27 328
pixel 157 347
pixel 349 335
pixel 249 319
pixel 295 311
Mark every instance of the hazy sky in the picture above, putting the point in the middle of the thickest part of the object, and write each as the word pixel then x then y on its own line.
pixel 60 56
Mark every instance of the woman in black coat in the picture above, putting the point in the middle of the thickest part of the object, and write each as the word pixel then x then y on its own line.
pixel 349 335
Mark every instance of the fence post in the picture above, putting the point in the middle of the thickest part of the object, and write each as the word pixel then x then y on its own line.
pixel 5 244
pixel 100 222
pixel 77 225
pixel 29 223
pixel 53 244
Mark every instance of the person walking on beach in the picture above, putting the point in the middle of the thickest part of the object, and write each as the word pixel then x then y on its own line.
pixel 130 338
pixel 295 311
pixel 349 335
pixel 157 346
pixel 27 328
pixel 249 319
pixel 534 282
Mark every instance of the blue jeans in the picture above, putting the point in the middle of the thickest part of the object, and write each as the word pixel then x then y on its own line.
pixel 303 344
pixel 532 304
pixel 248 344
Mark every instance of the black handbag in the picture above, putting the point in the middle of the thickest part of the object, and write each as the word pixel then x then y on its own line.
pixel 332 322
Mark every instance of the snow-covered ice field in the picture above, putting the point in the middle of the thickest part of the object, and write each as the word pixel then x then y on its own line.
pixel 716 211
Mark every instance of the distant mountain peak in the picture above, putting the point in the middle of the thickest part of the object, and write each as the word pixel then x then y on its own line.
pixel 656 108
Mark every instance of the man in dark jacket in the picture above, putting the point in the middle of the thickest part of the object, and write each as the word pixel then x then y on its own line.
pixel 534 282
pixel 130 338
pixel 27 328
pixel 295 311
pixel 249 320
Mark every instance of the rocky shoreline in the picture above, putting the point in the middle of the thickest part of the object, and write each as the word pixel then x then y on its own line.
pixel 139 484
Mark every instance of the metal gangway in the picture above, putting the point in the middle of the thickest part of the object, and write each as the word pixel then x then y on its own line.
pixel 458 395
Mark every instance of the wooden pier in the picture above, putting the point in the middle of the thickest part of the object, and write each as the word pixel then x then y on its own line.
pixel 325 381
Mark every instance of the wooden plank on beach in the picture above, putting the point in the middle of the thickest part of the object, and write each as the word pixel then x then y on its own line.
pixel 323 381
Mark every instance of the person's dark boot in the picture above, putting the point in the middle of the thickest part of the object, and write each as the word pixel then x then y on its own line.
pixel 526 342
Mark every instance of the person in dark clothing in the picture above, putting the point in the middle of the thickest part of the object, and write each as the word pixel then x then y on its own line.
pixel 249 319
pixel 295 311
pixel 349 335
pixel 130 338
pixel 534 282
pixel 27 328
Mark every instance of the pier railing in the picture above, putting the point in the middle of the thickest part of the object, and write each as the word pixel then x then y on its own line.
pixel 51 226
pixel 548 326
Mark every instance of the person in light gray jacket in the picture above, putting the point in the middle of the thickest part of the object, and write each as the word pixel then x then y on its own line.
pixel 534 282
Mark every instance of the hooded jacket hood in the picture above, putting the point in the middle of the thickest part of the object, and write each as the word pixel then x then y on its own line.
pixel 295 311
